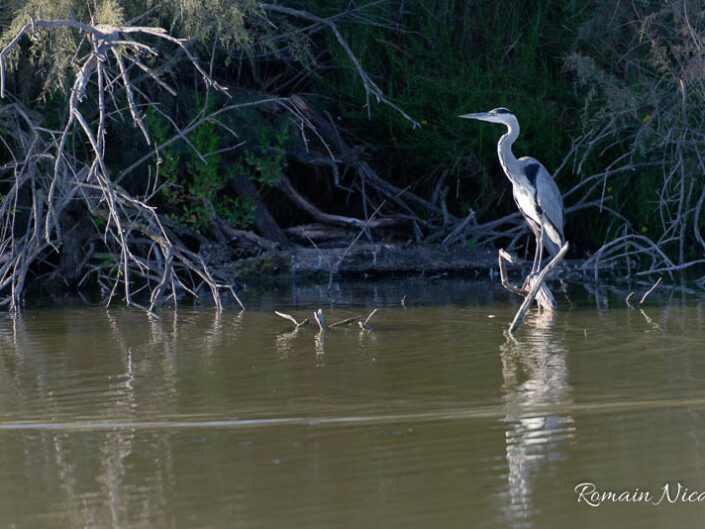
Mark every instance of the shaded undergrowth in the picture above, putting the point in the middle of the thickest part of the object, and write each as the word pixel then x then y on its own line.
pixel 138 134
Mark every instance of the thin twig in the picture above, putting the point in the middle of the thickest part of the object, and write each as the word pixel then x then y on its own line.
pixel 371 87
pixel 646 294
pixel 628 298
pixel 336 266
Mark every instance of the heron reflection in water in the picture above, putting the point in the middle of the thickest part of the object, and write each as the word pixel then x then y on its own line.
pixel 536 387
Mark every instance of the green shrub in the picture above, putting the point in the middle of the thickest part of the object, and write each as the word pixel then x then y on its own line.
pixel 195 189
pixel 438 59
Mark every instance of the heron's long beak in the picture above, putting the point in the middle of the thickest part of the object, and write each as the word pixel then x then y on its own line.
pixel 483 116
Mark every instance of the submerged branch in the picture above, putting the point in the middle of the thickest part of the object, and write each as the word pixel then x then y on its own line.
pixel 536 285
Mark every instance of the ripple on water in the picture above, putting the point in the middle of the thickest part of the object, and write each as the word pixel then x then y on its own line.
pixel 434 417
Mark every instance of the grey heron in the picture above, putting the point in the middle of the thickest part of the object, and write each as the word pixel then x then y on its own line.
pixel 535 192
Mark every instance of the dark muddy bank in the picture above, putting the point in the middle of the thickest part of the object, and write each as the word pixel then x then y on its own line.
pixel 386 259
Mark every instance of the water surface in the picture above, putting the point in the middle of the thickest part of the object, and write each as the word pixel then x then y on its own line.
pixel 434 418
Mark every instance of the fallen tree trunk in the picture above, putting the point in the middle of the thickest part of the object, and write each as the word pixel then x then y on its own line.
pixel 367 258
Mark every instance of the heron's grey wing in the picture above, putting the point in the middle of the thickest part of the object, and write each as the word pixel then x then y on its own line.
pixel 548 196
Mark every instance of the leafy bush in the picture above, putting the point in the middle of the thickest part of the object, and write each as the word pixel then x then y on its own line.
pixel 439 59
pixel 196 187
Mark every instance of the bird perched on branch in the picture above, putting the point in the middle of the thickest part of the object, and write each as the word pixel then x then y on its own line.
pixel 535 191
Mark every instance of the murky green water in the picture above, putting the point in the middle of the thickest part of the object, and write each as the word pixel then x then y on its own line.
pixel 432 419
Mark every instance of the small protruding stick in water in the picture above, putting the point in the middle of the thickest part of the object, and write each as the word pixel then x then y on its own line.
pixel 363 324
pixel 346 321
pixel 544 298
pixel 646 294
pixel 628 298
pixel 318 316
pixel 505 256
pixel 291 319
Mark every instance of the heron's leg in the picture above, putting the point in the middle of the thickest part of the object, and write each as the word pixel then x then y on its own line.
pixel 538 255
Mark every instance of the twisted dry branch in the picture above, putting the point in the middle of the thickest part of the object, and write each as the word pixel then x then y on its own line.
pixel 130 232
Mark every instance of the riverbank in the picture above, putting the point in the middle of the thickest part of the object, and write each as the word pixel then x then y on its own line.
pixel 367 259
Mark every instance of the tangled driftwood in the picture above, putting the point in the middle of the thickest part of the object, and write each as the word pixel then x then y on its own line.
pixel 129 237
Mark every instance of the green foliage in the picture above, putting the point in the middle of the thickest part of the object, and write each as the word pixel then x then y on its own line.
pixel 224 20
pixel 50 50
pixel 265 164
pixel 207 182
pixel 109 12
pixel 53 50
pixel 446 58
pixel 195 189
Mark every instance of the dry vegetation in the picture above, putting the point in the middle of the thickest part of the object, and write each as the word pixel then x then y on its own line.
pixel 147 146
pixel 644 114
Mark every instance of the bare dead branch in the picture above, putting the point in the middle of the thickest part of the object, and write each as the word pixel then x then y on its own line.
pixel 371 88
pixel 536 286
pixel 136 240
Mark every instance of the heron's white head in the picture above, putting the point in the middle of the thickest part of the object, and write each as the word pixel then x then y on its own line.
pixel 498 115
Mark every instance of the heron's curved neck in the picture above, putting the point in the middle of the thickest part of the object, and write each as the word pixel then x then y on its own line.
pixel 509 162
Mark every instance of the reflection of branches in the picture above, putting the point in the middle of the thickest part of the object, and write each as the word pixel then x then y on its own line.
pixel 654 326
pixel 319 342
pixel 284 341
pixel 114 451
